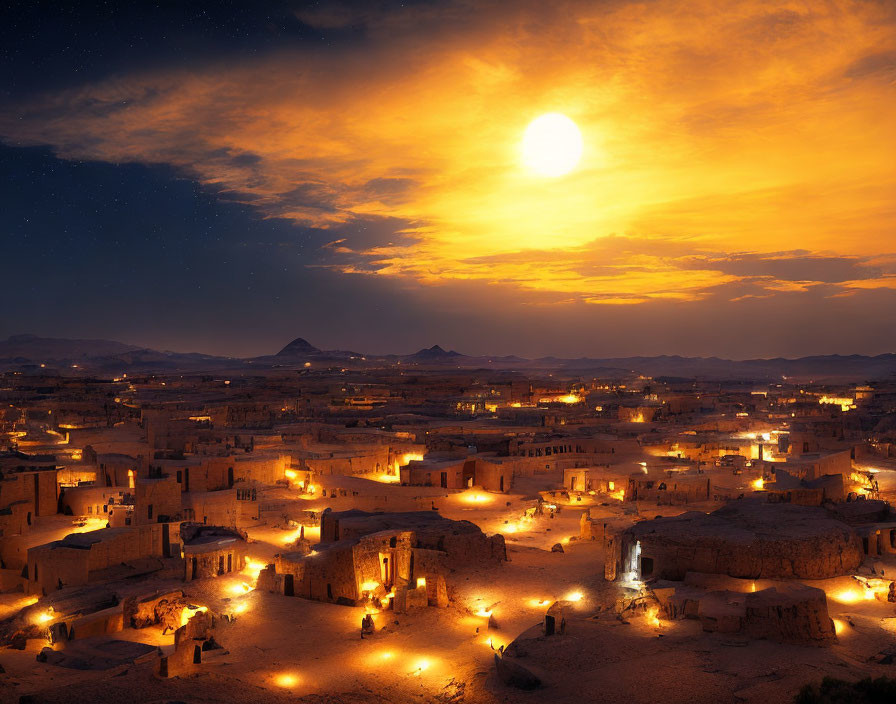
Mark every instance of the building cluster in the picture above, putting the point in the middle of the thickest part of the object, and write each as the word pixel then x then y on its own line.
pixel 390 488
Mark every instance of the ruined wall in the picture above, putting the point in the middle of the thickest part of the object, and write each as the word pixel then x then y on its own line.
pixel 264 469
pixel 48 495
pixel 48 567
pixel 15 521
pixel 365 460
pixel 126 545
pixel 32 493
pixel 818 555
pixel 783 612
pixel 213 560
pixel 493 476
pixel 55 565
pixel 370 551
pixel 423 474
pixel 669 492
pixel 188 643
pixel 99 623
pixel 90 500
pixel 154 498
pixel 212 475
pixel 330 575
pixel 466 549
pixel 214 508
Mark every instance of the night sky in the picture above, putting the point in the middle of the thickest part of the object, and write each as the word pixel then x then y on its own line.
pixel 225 177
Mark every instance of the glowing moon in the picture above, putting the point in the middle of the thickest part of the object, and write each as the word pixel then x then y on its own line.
pixel 552 145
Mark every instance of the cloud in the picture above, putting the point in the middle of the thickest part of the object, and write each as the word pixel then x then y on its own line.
pixel 738 153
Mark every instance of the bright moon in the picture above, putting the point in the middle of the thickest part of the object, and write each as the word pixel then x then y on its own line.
pixel 552 145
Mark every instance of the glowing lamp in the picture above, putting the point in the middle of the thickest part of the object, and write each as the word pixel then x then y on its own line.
pixel 286 680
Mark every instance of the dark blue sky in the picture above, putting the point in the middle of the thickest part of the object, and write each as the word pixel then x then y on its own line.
pixel 139 254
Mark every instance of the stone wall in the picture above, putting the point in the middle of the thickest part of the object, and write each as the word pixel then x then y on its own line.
pixel 779 541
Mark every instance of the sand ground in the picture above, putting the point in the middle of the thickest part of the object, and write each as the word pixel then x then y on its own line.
pixel 291 649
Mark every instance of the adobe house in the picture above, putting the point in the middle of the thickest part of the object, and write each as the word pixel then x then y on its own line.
pixel 92 501
pixel 594 479
pixel 80 558
pixel 211 551
pixel 748 538
pixel 489 471
pixel 400 559
pixel 448 473
pixel 28 488
pixel 669 489
pixel 157 499
pixel 113 469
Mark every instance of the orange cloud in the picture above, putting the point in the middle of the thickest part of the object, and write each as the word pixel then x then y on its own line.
pixel 710 131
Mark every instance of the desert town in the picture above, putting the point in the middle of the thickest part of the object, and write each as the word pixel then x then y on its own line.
pixel 422 531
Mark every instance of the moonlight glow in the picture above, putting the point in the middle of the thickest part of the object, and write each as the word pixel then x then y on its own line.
pixel 552 145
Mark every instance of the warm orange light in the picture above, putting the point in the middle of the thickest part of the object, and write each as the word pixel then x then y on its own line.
pixel 253 568
pixel 476 497
pixel 575 596
pixel 286 680
pixel 483 613
pixel 188 612
pixel 845 403
pixel 848 596
pixel 384 478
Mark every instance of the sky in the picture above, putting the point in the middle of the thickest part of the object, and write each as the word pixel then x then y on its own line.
pixel 225 177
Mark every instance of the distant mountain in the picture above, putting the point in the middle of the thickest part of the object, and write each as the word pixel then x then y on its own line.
pixel 299 347
pixel 110 357
pixel 41 350
pixel 435 353
pixel 105 356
